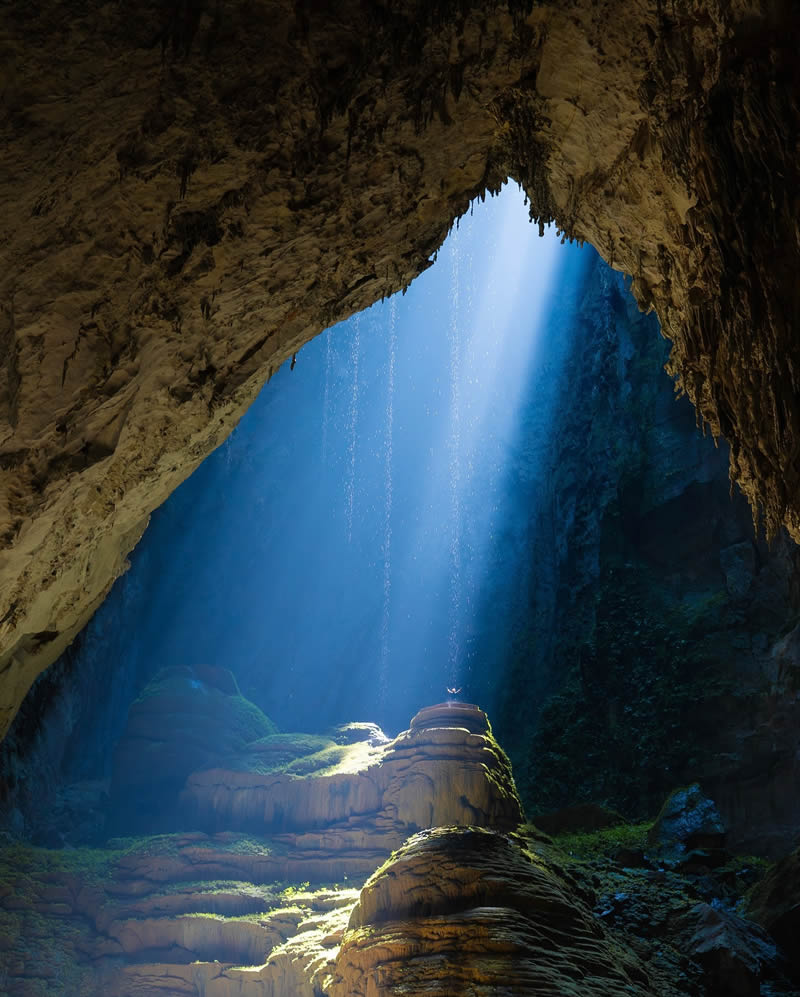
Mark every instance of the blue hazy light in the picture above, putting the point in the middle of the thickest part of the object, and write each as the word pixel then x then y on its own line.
pixel 333 553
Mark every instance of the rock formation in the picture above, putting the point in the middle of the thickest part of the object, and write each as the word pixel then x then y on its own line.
pixel 468 911
pixel 451 910
pixel 775 905
pixel 178 913
pixel 361 795
pixel 192 192
pixel 185 719
pixel 648 634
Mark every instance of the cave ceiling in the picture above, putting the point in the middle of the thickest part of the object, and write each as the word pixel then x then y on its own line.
pixel 192 190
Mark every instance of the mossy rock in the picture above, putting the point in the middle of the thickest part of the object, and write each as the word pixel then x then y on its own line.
pixel 185 720
pixel 321 761
pixel 275 752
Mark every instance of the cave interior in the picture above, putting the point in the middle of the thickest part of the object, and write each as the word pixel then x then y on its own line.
pixel 399 466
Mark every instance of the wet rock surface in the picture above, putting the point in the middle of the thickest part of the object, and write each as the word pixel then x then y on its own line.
pixel 687 827
pixel 731 953
pixel 190 196
pixel 688 925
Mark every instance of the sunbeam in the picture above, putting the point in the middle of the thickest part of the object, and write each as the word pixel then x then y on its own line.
pixel 333 551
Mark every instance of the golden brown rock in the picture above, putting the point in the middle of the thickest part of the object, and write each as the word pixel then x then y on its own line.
pixel 190 192
pixel 221 914
pixel 364 796
pixel 452 714
pixel 302 966
pixel 468 913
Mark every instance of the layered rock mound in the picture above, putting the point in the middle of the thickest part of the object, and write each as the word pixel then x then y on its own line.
pixel 456 911
pixel 186 718
pixel 426 777
pixel 178 913
pixel 92 924
pixel 468 912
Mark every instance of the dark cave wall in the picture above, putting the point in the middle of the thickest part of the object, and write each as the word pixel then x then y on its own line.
pixel 652 641
pixel 191 192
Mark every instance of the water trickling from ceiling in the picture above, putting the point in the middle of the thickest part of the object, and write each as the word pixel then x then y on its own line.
pixel 335 552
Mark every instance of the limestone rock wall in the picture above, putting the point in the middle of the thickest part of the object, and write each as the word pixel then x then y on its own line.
pixel 651 632
pixel 190 192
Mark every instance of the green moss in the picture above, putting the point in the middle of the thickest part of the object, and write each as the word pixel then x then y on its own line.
pixel 249 721
pixel 321 761
pixel 589 845
pixel 23 862
pixel 255 917
pixel 277 752
pixel 294 889
pixel 294 744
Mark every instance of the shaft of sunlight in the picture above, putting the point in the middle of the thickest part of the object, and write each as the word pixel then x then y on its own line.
pixel 334 552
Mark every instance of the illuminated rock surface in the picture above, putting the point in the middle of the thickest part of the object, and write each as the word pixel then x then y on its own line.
pixel 177 913
pixel 426 777
pixel 467 911
pixel 190 195
pixel 459 911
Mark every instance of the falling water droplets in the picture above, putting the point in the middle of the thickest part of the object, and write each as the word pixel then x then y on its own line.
pixel 350 487
pixel 454 466
pixel 387 506
pixel 326 395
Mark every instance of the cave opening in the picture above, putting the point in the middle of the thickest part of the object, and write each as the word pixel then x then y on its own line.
pixel 353 551
pixel 194 190
pixel 482 490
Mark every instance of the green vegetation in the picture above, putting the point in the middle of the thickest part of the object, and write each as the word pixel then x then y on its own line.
pixel 320 761
pixel 588 845
pixel 294 889
pixel 20 863
pixel 627 725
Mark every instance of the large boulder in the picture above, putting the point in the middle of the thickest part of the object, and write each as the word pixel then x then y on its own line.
pixel 688 825
pixel 730 951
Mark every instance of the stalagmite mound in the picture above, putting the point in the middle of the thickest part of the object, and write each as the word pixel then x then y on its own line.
pixel 185 719
pixel 469 911
pixel 191 192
